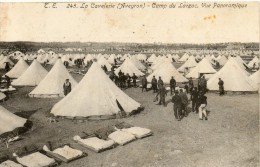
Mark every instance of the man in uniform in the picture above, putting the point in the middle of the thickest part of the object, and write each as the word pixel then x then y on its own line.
pixel 160 83
pixel 203 85
pixel 191 85
pixel 194 99
pixel 144 83
pixel 66 87
pixel 176 99
pixel 134 77
pixel 221 87
pixel 162 92
pixel 202 106
pixel 172 84
pixel 154 84
pixel 184 103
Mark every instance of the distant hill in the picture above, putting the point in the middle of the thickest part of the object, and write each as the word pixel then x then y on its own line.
pixel 25 46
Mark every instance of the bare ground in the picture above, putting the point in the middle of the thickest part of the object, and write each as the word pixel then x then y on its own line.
pixel 229 138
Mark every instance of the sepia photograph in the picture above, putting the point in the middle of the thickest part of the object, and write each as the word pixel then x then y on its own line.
pixel 129 84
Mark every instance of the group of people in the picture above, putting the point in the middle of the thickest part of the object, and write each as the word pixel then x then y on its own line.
pixel 180 97
pixel 197 97
pixel 123 80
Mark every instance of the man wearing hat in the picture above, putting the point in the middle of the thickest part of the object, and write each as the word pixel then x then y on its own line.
pixel 160 83
pixel 172 84
pixel 176 99
pixel 162 92
pixel 154 84
pixel 221 87
pixel 67 87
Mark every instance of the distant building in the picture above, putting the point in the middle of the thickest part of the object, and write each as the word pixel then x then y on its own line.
pixel 235 47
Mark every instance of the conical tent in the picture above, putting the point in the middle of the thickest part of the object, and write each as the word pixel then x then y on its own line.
pixel 254 63
pixel 53 60
pixel 241 62
pixel 233 76
pixel 102 61
pixel 176 57
pixel 32 76
pixel 255 77
pixel 111 59
pixel 137 63
pixel 222 60
pixel 160 62
pixel 9 121
pixel 129 67
pixel 166 71
pixel 152 58
pixel 4 61
pixel 190 63
pixel 184 57
pixel 20 67
pixel 52 84
pixel 95 95
pixel 203 67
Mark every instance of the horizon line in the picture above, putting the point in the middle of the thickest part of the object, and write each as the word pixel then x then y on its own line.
pixel 129 42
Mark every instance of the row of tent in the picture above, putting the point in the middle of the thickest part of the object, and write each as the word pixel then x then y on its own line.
pixel 51 57
pixel 162 67
pixel 97 95
pixel 233 73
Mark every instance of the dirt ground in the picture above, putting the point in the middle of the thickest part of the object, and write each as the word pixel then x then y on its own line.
pixel 229 138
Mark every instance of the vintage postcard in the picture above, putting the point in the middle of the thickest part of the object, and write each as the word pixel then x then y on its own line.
pixel 129 84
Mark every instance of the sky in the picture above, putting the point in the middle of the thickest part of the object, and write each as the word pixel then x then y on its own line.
pixel 33 22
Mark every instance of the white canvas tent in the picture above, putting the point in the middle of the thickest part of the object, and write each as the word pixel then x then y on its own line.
pixel 32 76
pixel 255 77
pixel 4 61
pixel 137 63
pixel 184 58
pixel 102 61
pixel 203 67
pixel 9 121
pixel 254 63
pixel 190 63
pixel 52 84
pixel 152 58
pixel 20 67
pixel 166 71
pixel 129 67
pixel 95 95
pixel 234 77
pixel 222 60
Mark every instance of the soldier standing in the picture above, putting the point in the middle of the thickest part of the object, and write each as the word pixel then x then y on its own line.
pixel 67 87
pixel 154 84
pixel 172 84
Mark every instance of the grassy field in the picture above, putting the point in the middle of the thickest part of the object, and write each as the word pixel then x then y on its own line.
pixel 229 138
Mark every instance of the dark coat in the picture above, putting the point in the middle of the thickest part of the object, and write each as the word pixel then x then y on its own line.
pixel 172 82
pixel 176 99
pixel 144 81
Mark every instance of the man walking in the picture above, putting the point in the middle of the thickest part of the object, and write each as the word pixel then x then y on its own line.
pixel 154 84
pixel 221 87
pixel 162 92
pixel 176 99
pixel 202 106
pixel 160 83
pixel 184 103
pixel 172 84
